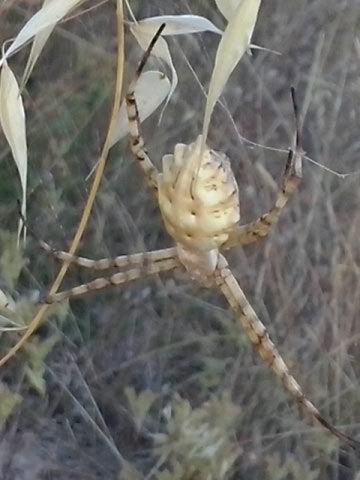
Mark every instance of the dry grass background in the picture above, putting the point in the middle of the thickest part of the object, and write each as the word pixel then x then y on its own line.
pixel 168 336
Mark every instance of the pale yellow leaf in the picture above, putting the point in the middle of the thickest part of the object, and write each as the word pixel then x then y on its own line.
pixel 177 24
pixel 12 120
pixel 48 16
pixel 144 31
pixel 228 7
pixel 151 90
pixel 39 42
pixel 234 43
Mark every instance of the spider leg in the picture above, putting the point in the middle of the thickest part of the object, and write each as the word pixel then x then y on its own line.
pixel 262 343
pixel 120 261
pixel 261 227
pixel 136 140
pixel 114 280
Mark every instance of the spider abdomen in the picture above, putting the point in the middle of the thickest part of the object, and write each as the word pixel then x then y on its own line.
pixel 198 196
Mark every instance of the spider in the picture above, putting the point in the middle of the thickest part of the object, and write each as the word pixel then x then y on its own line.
pixel 198 199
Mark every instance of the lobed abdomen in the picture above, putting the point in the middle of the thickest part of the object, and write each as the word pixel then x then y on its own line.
pixel 198 197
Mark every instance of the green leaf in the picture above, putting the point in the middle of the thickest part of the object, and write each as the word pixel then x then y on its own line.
pixel 37 350
pixel 8 401
pixel 139 404
pixel 11 259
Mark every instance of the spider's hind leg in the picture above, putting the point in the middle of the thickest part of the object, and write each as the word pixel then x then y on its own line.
pixel 120 261
pixel 262 343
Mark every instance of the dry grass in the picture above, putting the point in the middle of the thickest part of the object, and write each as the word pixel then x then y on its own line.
pixel 166 336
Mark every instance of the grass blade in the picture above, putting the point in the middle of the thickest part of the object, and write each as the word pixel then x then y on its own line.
pixel 228 7
pixel 233 45
pixel 39 42
pixel 48 16
pixel 12 120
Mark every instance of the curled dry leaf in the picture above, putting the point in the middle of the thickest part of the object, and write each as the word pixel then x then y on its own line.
pixel 160 51
pixel 48 16
pixel 234 43
pixel 12 120
pixel 151 90
pixel 144 31
pixel 178 24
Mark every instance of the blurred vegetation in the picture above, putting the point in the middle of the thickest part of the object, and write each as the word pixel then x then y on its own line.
pixel 155 380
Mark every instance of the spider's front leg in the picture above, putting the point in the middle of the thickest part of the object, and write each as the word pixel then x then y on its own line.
pixel 137 144
pixel 262 343
pixel 260 228
pixel 136 260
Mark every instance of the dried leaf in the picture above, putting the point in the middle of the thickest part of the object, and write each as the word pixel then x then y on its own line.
pixel 36 49
pixel 12 120
pixel 48 16
pixel 177 24
pixel 160 51
pixel 228 7
pixel 234 43
pixel 144 31
pixel 151 90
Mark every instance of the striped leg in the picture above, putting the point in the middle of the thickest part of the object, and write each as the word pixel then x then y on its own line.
pixel 245 234
pixel 251 232
pixel 121 261
pixel 260 339
pixel 136 139
pixel 119 278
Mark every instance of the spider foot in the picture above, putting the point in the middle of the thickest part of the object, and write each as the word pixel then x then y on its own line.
pixel 293 167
